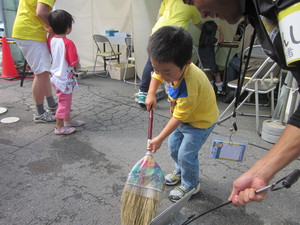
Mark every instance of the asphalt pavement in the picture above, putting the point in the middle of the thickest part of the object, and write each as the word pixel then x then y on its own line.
pixel 78 179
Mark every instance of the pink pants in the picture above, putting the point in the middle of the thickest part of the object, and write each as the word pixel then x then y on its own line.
pixel 64 105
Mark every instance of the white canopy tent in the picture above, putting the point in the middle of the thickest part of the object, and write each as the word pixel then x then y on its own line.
pixel 96 16
pixel 136 17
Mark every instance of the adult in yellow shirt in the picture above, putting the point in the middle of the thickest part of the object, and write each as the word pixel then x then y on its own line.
pixel 171 13
pixel 30 34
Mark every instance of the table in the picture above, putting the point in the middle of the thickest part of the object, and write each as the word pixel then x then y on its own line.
pixel 230 45
pixel 118 40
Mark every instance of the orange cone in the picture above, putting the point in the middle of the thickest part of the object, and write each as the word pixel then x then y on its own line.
pixel 9 70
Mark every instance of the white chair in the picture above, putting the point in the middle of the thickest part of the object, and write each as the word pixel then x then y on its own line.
pixel 130 59
pixel 106 51
pixel 256 85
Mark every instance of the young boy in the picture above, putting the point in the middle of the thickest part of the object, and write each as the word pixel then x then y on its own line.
pixel 192 105
pixel 64 63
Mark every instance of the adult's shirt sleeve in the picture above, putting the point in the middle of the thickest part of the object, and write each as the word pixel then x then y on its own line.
pixel 196 18
pixel 162 7
pixel 47 2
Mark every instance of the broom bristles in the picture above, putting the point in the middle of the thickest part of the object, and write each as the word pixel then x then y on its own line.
pixel 138 205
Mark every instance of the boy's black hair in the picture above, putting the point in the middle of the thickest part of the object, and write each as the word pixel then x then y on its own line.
pixel 171 44
pixel 208 33
pixel 60 20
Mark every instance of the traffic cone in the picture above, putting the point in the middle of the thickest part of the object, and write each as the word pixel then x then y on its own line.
pixel 9 71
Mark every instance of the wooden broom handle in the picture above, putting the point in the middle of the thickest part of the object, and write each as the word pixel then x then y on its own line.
pixel 150 124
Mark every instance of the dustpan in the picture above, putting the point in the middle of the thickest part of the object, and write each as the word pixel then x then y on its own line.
pixel 172 215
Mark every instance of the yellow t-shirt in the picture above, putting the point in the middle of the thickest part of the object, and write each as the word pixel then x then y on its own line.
pixel 27 24
pixel 176 13
pixel 193 98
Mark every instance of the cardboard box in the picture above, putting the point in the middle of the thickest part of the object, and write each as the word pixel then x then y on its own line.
pixel 116 71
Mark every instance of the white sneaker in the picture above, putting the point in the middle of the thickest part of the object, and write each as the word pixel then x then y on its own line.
pixel 172 178
pixel 46 117
pixel 179 192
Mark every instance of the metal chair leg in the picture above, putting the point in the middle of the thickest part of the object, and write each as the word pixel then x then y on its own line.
pixel 23 73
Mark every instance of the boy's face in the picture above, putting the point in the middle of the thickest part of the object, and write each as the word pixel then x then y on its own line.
pixel 170 72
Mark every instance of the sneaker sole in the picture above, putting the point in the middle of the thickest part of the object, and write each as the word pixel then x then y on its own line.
pixel 142 104
pixel 64 133
pixel 43 121
pixel 195 191
pixel 67 133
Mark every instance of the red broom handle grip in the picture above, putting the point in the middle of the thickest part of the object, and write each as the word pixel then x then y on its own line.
pixel 150 124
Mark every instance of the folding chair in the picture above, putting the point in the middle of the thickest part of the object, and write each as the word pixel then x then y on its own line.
pixel 130 59
pixel 107 55
pixel 256 85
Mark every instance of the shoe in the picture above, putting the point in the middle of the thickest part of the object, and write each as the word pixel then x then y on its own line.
pixel 229 97
pixel 172 178
pixel 221 93
pixel 52 110
pixel 64 130
pixel 46 117
pixel 142 98
pixel 180 191
pixel 73 123
pixel 136 96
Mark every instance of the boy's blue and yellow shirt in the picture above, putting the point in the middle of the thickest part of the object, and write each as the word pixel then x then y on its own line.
pixel 193 98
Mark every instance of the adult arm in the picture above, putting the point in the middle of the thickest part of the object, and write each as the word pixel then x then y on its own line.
pixel 221 35
pixel 259 175
pixel 43 11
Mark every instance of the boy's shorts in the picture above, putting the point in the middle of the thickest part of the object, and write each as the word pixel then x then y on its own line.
pixel 36 54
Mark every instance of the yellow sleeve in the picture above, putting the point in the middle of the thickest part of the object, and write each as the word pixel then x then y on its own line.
pixel 50 3
pixel 162 7
pixel 157 77
pixel 195 15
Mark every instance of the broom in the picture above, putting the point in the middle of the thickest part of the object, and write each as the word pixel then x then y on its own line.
pixel 143 188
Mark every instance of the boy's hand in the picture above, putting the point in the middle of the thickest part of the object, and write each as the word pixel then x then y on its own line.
pixel 150 102
pixel 155 144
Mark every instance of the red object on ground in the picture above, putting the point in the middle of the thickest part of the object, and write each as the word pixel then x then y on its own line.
pixel 9 70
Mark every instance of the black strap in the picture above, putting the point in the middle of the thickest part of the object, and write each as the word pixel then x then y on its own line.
pixel 241 77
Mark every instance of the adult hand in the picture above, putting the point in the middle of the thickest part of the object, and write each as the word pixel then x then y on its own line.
pixel 243 189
